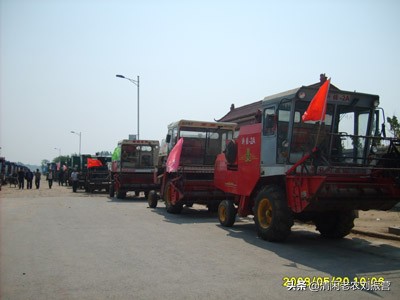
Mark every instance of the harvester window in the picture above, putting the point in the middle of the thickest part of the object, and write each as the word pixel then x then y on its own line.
pixel 307 135
pixel 283 130
pixel 146 160
pixel 174 136
pixel 353 128
pixel 269 121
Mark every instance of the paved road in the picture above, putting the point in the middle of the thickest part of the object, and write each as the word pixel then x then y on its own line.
pixel 91 247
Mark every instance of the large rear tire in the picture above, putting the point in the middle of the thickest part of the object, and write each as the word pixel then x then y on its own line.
pixel 335 224
pixel 226 213
pixel 272 215
pixel 152 199
pixel 171 208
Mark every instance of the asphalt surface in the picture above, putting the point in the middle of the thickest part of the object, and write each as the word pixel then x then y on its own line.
pixel 60 245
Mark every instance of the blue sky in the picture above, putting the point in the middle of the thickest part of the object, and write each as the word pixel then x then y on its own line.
pixel 58 61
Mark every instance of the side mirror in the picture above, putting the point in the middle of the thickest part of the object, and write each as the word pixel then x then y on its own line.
pixel 168 138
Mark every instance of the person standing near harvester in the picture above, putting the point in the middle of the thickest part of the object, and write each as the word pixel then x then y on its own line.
pixel 21 178
pixel 29 178
pixel 50 178
pixel 37 178
pixel 74 178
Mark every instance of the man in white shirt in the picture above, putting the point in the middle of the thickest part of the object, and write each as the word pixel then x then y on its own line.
pixel 74 178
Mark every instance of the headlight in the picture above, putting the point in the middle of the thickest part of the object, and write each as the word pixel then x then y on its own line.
pixel 301 95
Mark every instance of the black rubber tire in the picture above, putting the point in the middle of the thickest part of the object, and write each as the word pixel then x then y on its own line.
pixel 272 215
pixel 152 199
pixel 171 208
pixel 227 213
pixel 111 191
pixel 335 224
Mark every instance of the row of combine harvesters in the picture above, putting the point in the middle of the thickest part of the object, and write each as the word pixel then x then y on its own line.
pixel 314 153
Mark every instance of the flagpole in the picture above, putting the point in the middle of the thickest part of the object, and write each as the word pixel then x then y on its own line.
pixel 323 114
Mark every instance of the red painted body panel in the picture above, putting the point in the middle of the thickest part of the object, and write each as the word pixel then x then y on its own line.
pixel 241 179
pixel 301 189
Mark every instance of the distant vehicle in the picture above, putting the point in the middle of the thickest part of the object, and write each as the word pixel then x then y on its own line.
pixel 134 168
pixel 187 178
pixel 11 173
pixel 97 174
pixel 83 170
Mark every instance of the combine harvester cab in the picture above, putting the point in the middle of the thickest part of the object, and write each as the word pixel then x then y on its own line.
pixel 284 168
pixel 134 168
pixel 188 172
pixel 97 174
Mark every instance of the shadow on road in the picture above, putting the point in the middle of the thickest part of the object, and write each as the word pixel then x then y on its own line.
pixel 197 214
pixel 306 249
pixel 127 199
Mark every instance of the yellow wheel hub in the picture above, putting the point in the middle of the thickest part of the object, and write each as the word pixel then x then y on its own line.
pixel 222 213
pixel 264 213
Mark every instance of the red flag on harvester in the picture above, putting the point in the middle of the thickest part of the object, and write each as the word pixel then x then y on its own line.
pixel 174 157
pixel 92 162
pixel 317 109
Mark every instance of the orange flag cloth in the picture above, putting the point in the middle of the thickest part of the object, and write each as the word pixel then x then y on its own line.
pixel 91 162
pixel 317 109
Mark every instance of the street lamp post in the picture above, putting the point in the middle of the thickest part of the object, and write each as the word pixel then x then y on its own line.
pixel 135 82
pixel 80 139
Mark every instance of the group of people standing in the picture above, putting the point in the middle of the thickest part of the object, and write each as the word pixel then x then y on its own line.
pixel 28 176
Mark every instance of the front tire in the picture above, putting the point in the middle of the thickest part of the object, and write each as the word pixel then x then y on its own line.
pixel 272 215
pixel 171 208
pixel 336 224
pixel 111 191
pixel 226 213
pixel 152 199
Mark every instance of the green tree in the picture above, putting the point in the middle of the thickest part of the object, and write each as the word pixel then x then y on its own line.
pixel 63 159
pixel 394 126
pixel 43 164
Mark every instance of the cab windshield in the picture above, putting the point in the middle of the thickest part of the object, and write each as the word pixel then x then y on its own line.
pixel 135 156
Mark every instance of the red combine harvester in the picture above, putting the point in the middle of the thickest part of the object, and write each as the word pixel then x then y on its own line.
pixel 284 168
pixel 187 177
pixel 134 167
